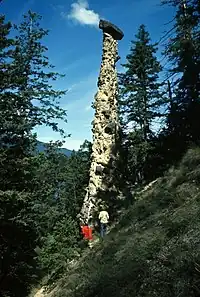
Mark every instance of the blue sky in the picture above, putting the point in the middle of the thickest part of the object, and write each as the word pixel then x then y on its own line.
pixel 75 45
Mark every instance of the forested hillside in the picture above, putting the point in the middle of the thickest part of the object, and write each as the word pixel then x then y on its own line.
pixel 41 147
pixel 153 250
pixel 40 194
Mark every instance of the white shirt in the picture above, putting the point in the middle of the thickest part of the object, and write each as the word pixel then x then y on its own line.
pixel 103 217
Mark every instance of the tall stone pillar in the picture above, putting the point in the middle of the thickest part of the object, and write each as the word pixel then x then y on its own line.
pixel 105 124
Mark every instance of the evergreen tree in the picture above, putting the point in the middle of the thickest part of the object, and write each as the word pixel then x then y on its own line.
pixel 35 76
pixel 5 52
pixel 27 100
pixel 16 256
pixel 58 199
pixel 183 54
pixel 141 100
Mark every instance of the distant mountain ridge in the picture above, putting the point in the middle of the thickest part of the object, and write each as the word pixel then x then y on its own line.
pixel 41 148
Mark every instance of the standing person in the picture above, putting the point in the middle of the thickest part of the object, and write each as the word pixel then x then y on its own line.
pixel 86 230
pixel 103 217
pixel 90 235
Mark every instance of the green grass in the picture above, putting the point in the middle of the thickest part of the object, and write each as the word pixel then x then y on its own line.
pixel 154 250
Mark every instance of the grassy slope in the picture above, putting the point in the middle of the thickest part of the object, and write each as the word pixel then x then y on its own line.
pixel 155 248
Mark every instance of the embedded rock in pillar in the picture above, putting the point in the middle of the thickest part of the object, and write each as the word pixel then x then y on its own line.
pixel 111 29
pixel 105 124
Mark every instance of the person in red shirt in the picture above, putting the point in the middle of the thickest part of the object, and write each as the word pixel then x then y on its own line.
pixel 86 230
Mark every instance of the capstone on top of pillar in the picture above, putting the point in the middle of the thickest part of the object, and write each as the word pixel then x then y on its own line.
pixel 111 29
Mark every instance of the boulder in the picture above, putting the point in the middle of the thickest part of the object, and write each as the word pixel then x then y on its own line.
pixel 111 29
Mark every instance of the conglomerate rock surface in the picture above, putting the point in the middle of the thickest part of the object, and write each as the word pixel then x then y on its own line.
pixel 105 124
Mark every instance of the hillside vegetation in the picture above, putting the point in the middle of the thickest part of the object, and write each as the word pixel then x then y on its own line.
pixel 154 249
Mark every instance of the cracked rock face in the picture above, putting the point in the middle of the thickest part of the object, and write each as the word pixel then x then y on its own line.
pixel 105 124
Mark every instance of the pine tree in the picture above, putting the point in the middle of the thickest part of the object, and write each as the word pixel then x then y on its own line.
pixel 27 100
pixel 183 54
pixel 58 198
pixel 35 75
pixel 5 52
pixel 141 99
pixel 17 258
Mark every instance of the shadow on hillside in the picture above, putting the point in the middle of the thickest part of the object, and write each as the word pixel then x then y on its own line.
pixel 151 254
pixel 18 268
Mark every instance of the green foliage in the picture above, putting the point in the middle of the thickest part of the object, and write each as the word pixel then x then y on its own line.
pixel 59 246
pixel 141 100
pixel 17 267
pixel 35 76
pixel 138 151
pixel 154 249
pixel 5 52
pixel 27 100
pixel 182 51
pixel 140 89
pixel 58 197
